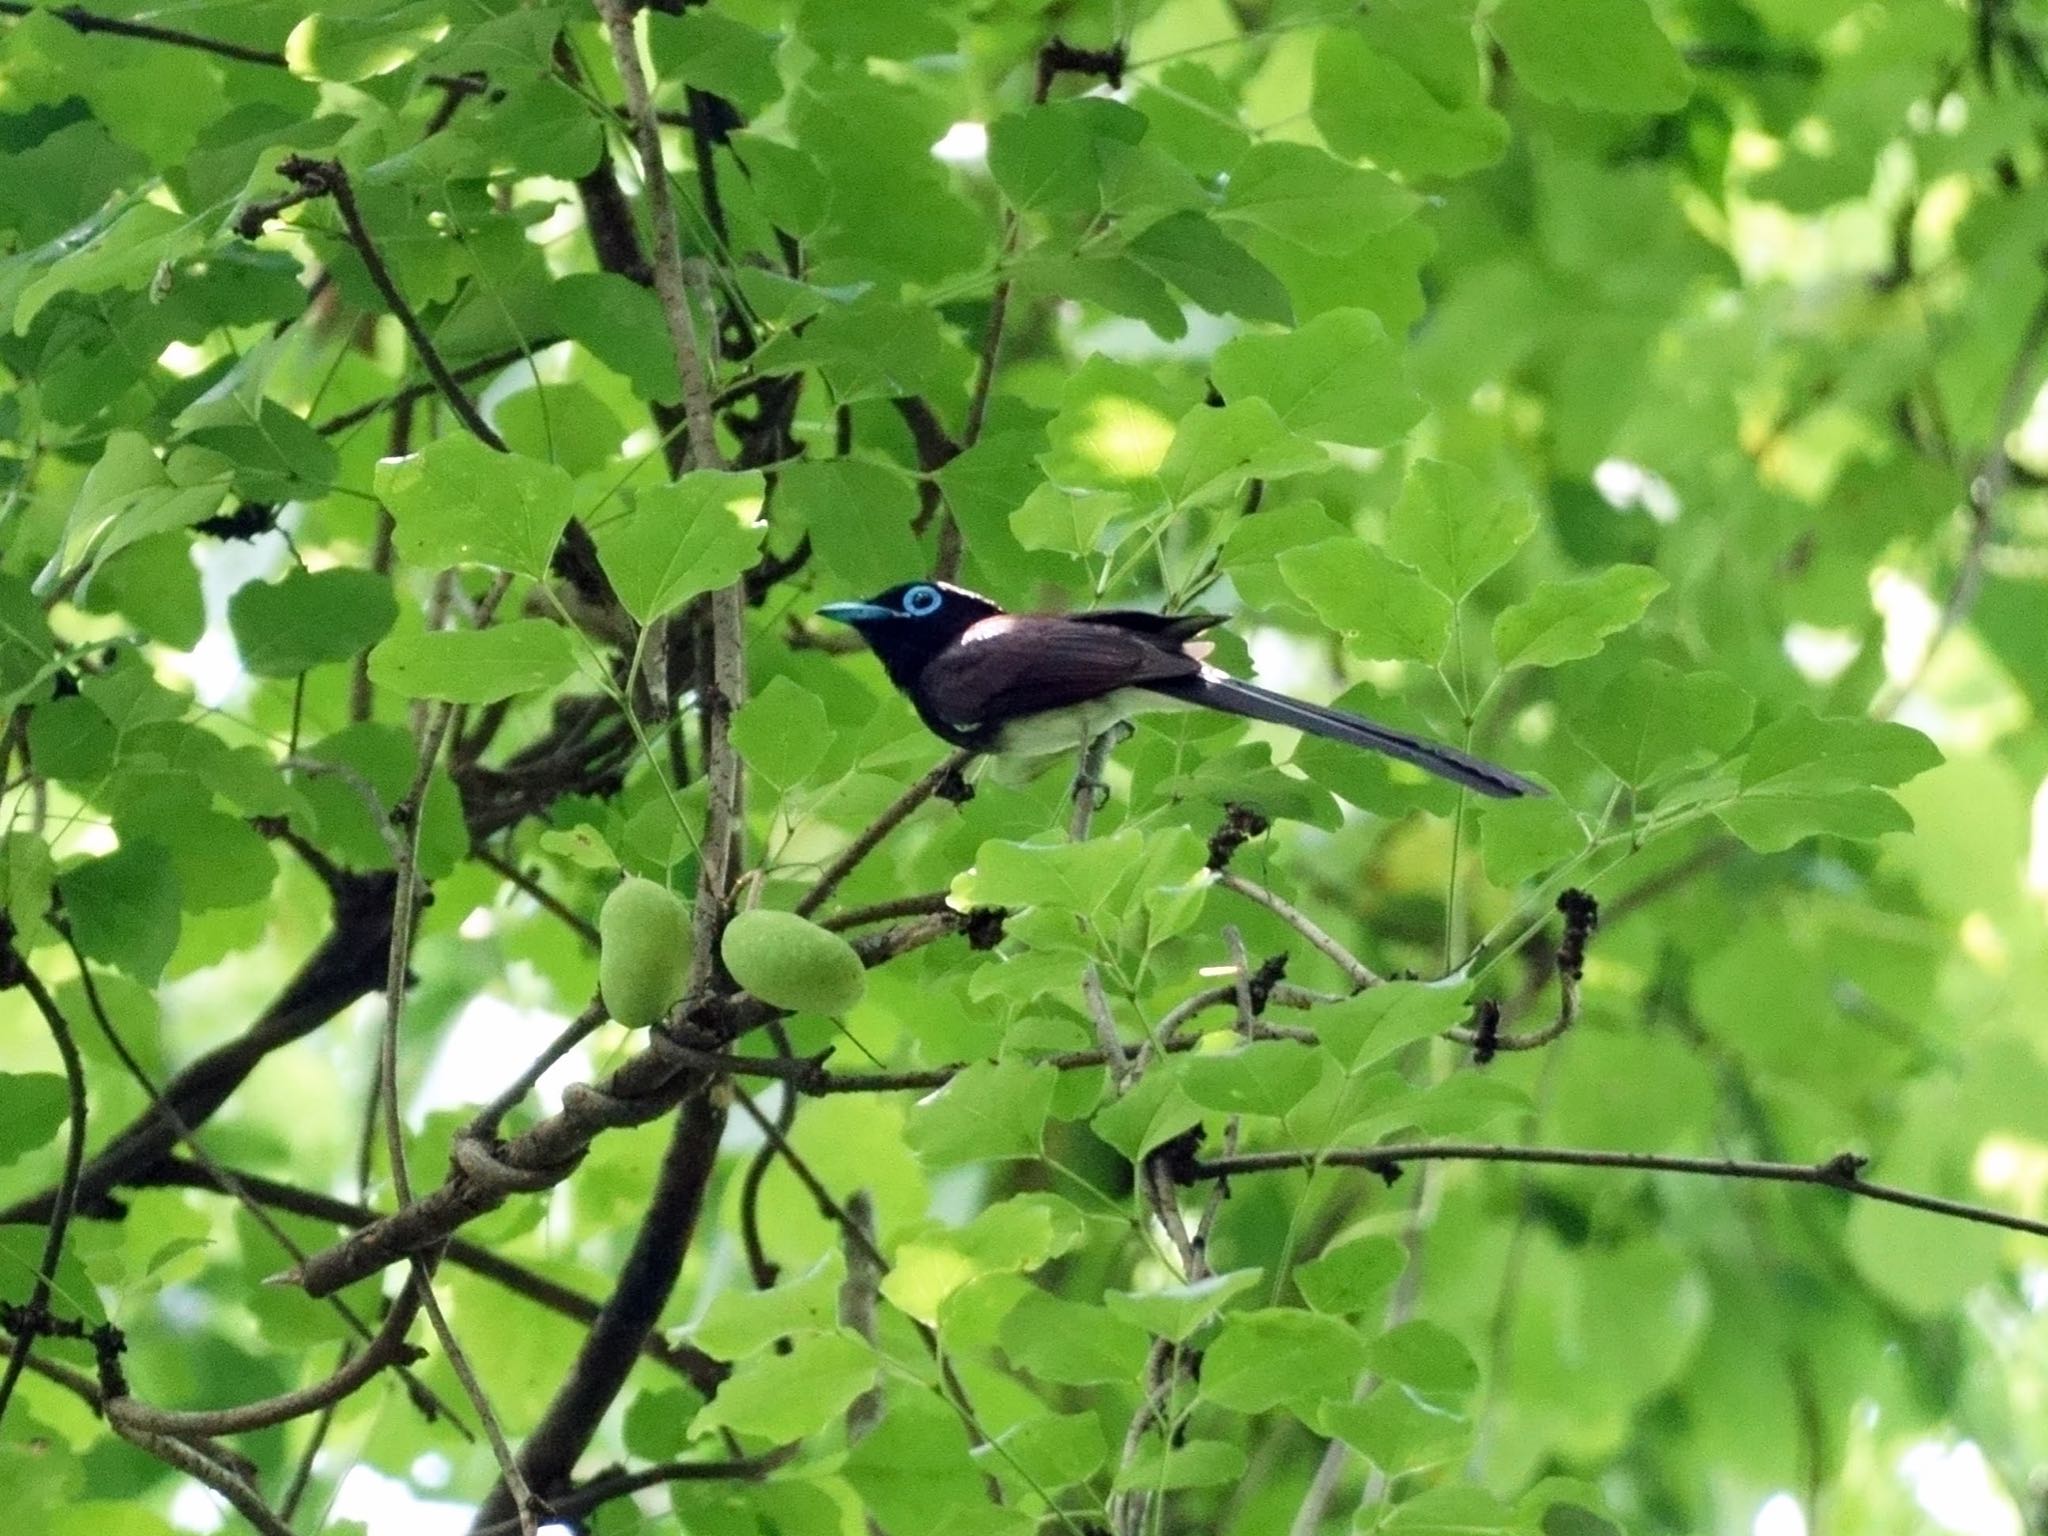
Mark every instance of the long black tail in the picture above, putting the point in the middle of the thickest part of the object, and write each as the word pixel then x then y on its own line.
pixel 1256 703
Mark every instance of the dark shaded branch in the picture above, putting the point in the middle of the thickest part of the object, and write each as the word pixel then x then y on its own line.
pixel 347 965
pixel 700 1369
pixel 585 1497
pixel 628 1316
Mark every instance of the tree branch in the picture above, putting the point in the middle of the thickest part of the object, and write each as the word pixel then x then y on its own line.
pixel 80 20
pixel 627 1318
pixel 327 178
pixel 1842 1172
pixel 14 970
pixel 485 1174
pixel 898 811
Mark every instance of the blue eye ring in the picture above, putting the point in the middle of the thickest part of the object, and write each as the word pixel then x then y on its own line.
pixel 922 600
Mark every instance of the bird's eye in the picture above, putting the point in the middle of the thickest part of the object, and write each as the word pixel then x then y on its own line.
pixel 922 600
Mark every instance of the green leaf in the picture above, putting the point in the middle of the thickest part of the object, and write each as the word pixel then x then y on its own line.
pixel 1067 522
pixel 27 877
pixel 785 1397
pixel 1189 1464
pixel 565 424
pixel 1409 109
pixel 458 503
pixel 1188 251
pixel 990 1111
pixel 1176 1311
pixel 32 1106
pixel 1606 55
pixel 1047 1452
pixel 741 1323
pixel 1336 379
pixel 121 247
pixel 1074 877
pixel 475 666
pixel 287 627
pixel 1262 1360
pixel 1148 1115
pixel 1354 1277
pixel 1071 1344
pixel 219 860
pixel 1426 1357
pixel 128 496
pixel 1372 1026
pixel 1802 750
pixel 1384 608
pixel 621 325
pixel 1804 776
pixel 859 516
pixel 71 739
pixel 1653 717
pixel 1450 1511
pixel 1312 198
pixel 347 48
pixel 912 1473
pixel 1395 1430
pixel 1567 620
pixel 701 48
pixel 123 908
pixel 1046 160
pixel 1261 1077
pixel 782 732
pixel 674 542
pixel 1771 823
pixel 1452 529
pixel 1215 451
pixel 1521 838
pixel 25 640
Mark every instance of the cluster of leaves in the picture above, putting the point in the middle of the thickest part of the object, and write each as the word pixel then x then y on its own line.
pixel 1636 392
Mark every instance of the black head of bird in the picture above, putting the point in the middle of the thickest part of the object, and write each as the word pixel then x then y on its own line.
pixel 1037 683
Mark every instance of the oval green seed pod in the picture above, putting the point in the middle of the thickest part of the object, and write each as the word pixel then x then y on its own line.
pixel 792 963
pixel 643 957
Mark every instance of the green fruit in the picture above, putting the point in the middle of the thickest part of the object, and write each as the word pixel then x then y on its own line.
pixel 643 957
pixel 792 963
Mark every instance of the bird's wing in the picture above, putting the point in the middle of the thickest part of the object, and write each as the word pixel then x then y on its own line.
pixel 1016 665
pixel 1167 629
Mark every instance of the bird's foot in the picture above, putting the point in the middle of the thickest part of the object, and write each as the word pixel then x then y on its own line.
pixel 1094 790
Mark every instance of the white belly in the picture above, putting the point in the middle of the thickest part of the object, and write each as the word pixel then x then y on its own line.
pixel 1070 730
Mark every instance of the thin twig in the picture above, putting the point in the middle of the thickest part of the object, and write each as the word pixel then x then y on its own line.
pixel 81 20
pixel 699 1368
pixel 572 1034
pixel 1988 484
pixel 14 962
pixel 187 1459
pixel 388 1347
pixel 1360 974
pixel 318 178
pixel 645 1087
pixel 406 817
pixel 889 911
pixel 870 838
pixel 577 924
pixel 1842 1172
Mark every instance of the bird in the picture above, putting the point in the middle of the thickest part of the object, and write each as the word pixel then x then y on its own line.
pixel 1034 684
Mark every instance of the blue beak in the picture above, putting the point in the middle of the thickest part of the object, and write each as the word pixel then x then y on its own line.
pixel 856 613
